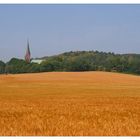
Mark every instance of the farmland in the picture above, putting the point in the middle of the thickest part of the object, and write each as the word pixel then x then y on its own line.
pixel 70 104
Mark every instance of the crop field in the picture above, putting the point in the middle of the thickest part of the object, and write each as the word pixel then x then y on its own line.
pixel 70 104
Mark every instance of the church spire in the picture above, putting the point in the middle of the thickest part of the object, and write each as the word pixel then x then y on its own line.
pixel 28 53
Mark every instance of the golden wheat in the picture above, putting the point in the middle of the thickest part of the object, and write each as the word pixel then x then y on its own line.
pixel 70 104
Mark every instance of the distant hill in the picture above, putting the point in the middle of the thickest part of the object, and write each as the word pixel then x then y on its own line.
pixel 79 61
pixel 94 60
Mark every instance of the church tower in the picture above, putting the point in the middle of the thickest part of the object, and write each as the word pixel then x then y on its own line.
pixel 28 53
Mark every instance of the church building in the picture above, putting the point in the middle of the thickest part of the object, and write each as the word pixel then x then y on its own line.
pixel 28 54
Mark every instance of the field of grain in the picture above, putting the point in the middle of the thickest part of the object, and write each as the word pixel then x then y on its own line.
pixel 70 104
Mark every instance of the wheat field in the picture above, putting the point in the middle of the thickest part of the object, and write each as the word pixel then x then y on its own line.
pixel 70 104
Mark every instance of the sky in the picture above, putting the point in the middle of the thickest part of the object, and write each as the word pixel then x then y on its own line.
pixel 54 29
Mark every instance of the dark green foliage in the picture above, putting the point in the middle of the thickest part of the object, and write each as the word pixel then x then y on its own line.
pixel 2 67
pixel 20 66
pixel 77 61
pixel 92 61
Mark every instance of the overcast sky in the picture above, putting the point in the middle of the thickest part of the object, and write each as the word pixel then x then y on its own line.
pixel 53 29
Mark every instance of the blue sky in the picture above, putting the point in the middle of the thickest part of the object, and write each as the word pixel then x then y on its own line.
pixel 54 29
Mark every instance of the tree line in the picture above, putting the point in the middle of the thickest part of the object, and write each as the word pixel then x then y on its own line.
pixel 77 61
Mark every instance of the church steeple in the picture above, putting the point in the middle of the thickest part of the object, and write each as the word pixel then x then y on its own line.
pixel 28 53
